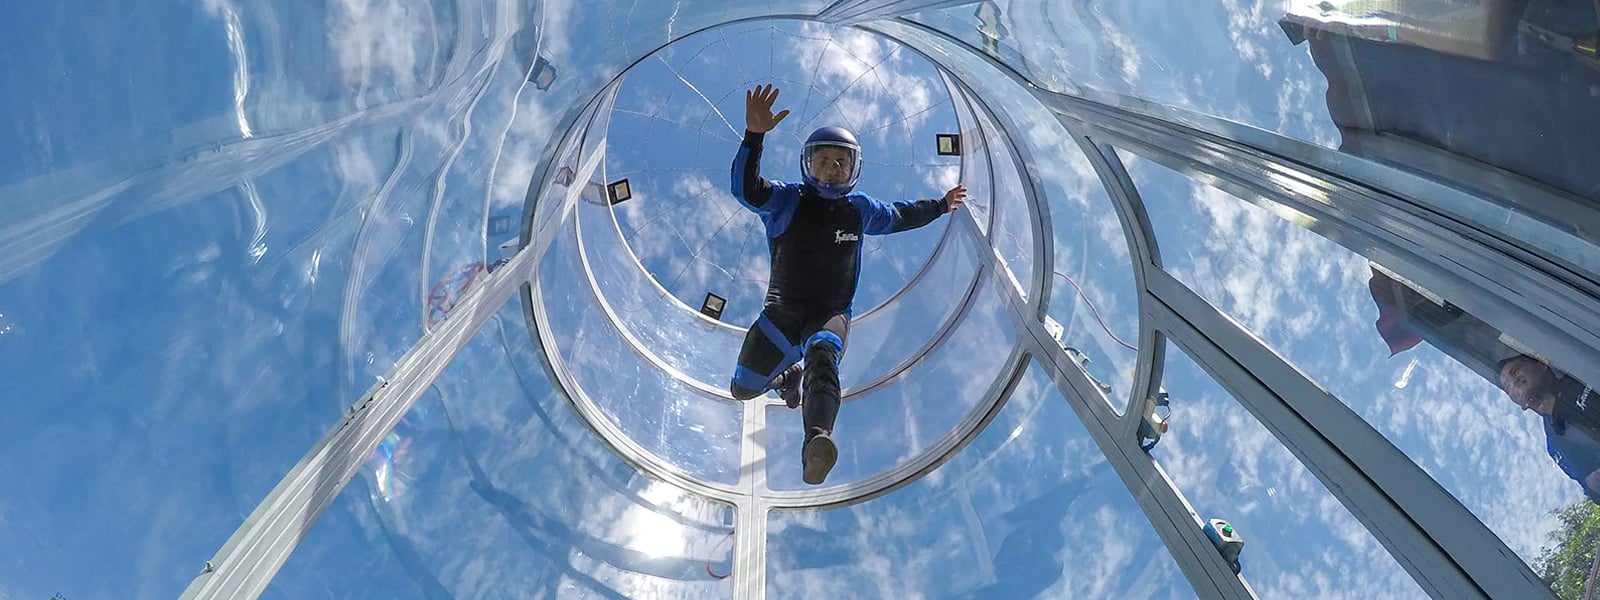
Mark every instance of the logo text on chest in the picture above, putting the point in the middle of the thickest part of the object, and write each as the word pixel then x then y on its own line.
pixel 841 236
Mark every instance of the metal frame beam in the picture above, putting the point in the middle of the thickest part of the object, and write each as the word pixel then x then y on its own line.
pixel 1422 229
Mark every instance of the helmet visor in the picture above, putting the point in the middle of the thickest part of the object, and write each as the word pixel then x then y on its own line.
pixel 833 165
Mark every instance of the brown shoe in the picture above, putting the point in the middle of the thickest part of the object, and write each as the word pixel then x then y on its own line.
pixel 818 457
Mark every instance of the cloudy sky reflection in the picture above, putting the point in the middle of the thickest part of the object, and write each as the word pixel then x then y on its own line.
pixel 223 221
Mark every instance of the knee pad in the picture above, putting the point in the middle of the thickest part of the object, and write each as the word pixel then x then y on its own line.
pixel 824 343
pixel 743 393
pixel 747 384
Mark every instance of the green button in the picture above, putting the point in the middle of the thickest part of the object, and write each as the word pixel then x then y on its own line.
pixel 1227 530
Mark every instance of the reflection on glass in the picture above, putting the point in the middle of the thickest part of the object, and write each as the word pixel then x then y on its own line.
pixel 667 417
pixel 1410 85
pixel 506 493
pixel 456 229
pixel 1358 329
pixel 1299 541
pixel 1572 431
pixel 1238 66
pixel 1029 509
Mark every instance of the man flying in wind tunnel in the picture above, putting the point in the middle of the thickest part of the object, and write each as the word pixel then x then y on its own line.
pixel 814 234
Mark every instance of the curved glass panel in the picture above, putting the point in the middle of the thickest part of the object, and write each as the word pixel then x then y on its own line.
pixel 459 501
pixel 1414 365
pixel 1239 66
pixel 974 149
pixel 1406 85
pixel 680 116
pixel 1092 288
pixel 681 339
pixel 1028 510
pixel 998 202
pixel 882 342
pixel 1013 232
pixel 680 425
pixel 1299 541
pixel 890 424
pixel 1093 299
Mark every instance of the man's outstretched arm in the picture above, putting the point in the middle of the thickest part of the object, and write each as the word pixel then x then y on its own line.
pixel 748 186
pixel 906 215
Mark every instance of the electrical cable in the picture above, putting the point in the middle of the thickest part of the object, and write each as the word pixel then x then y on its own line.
pixel 1096 311
pixel 713 552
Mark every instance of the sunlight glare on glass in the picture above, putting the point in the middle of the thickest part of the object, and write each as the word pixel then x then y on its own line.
pixel 1405 376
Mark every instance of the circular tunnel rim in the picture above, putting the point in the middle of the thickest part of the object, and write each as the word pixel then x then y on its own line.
pixel 902 473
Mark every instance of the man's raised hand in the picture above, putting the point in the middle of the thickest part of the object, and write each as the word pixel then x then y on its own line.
pixel 954 197
pixel 758 117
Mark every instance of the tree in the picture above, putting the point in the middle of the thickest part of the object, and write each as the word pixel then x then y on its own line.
pixel 1565 566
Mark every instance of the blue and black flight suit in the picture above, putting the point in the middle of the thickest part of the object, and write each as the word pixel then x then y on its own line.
pixel 816 262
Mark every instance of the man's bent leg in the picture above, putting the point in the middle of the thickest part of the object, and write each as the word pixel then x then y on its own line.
pixel 764 355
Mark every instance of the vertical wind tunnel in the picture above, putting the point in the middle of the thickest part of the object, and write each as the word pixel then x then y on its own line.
pixel 442 298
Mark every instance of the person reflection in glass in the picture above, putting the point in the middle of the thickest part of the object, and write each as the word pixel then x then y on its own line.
pixel 814 233
pixel 1571 413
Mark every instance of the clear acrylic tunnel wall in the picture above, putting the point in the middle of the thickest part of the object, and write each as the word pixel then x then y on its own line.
pixel 240 230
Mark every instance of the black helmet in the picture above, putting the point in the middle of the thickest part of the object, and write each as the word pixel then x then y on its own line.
pixel 837 137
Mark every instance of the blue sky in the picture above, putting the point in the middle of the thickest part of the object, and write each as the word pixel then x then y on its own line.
pixel 222 222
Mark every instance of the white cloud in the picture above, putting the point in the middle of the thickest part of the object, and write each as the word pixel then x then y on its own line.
pixel 864 79
pixel 376 44
pixel 1252 19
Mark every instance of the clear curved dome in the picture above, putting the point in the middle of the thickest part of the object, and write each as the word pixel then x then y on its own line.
pixel 341 300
